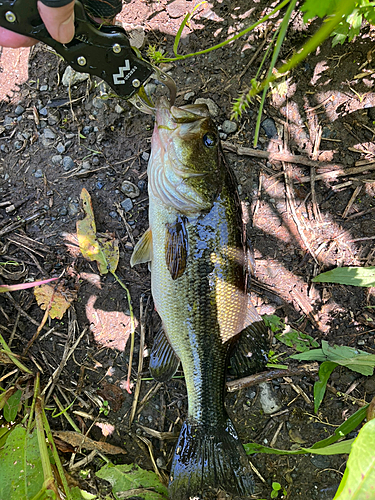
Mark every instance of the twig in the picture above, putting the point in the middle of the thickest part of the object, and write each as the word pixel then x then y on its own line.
pixel 315 206
pixel 278 156
pixel 257 378
pixel 340 172
pixel 357 190
pixel 298 390
pixel 132 329
pixel 68 351
pixel 142 315
pixel 290 197
pixel 274 439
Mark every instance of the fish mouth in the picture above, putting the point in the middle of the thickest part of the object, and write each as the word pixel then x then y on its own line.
pixel 187 114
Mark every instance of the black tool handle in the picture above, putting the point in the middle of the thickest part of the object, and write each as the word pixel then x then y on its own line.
pixel 103 51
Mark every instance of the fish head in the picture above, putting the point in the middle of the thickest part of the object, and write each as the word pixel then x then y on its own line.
pixel 185 165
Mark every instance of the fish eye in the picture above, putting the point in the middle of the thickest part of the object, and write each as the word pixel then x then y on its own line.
pixel 209 140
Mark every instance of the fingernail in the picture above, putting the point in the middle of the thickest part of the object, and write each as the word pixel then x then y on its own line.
pixel 66 30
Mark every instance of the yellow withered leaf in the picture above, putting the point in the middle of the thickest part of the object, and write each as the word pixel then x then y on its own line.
pixel 57 298
pixel 103 250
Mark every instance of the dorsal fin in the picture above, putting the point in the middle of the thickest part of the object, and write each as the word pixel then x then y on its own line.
pixel 163 360
pixel 176 247
pixel 143 249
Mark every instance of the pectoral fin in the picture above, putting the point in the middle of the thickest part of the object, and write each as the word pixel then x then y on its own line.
pixel 143 249
pixel 176 247
pixel 250 350
pixel 163 360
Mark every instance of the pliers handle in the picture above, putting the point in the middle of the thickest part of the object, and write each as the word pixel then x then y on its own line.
pixel 99 50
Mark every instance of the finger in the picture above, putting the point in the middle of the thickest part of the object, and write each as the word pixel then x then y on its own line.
pixel 59 21
pixel 11 39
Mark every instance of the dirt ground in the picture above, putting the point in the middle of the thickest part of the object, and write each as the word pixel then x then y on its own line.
pixel 308 214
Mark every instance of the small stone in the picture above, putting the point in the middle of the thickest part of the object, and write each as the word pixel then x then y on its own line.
pixel 19 110
pixel 53 117
pixel 212 106
pixel 145 155
pixel 269 127
pixel 137 37
pixel 127 204
pixel 57 159
pixel 119 109
pixel 361 342
pixel 268 399
pixel 142 185
pixel 63 211
pixel 9 122
pixel 68 163
pixel 321 461
pixel 43 111
pixel 43 88
pixel 98 103
pixel 49 134
pixel 17 145
pixel 86 130
pixel 38 173
pixel 189 95
pixel 222 135
pixel 26 134
pixel 130 189
pixel 229 127
pixel 95 161
pixel 73 208
pixel 60 148
pixel 71 77
pixel 86 165
pixel 113 214
pixel 160 462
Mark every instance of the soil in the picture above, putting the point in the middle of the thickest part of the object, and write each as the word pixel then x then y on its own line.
pixel 55 141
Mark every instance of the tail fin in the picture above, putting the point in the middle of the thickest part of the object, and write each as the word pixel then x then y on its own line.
pixel 208 459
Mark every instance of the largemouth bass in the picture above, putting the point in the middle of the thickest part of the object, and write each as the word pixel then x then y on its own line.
pixel 196 249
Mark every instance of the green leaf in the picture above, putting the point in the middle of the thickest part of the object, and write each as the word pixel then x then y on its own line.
pixel 355 276
pixel 11 406
pixel 325 371
pixel 333 449
pixel 313 8
pixel 348 426
pixel 133 480
pixel 298 340
pixel 274 322
pixel 354 359
pixel 21 471
pixel 359 479
pixel 312 355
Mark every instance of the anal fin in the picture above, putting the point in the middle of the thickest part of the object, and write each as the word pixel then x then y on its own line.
pixel 249 352
pixel 163 360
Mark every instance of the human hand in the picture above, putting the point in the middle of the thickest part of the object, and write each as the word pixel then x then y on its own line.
pixel 59 22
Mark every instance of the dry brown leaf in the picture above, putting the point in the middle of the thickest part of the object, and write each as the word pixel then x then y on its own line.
pixel 57 298
pixel 78 440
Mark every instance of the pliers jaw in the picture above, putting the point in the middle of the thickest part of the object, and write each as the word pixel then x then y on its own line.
pixel 143 102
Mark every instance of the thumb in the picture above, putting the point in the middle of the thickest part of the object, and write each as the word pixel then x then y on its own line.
pixel 59 21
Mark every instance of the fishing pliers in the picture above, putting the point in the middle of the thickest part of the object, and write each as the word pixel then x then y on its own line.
pixel 99 50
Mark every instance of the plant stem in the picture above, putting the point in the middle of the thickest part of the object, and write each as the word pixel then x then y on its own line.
pixel 132 329
pixel 13 358
pixel 235 37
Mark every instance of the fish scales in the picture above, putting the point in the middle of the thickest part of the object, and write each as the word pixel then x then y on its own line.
pixel 196 249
